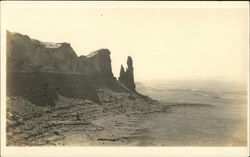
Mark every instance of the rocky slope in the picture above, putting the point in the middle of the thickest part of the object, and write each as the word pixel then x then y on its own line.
pixel 73 121
pixel 56 98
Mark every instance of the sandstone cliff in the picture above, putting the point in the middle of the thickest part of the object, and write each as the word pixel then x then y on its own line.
pixel 101 62
pixel 28 55
pixel 39 71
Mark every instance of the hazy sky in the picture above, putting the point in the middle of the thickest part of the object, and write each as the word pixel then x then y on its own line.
pixel 163 42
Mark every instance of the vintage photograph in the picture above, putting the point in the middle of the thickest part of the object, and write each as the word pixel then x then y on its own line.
pixel 128 76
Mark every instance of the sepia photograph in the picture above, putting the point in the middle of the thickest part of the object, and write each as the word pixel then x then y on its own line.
pixel 88 74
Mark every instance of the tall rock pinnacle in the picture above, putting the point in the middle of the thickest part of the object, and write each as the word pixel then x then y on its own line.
pixel 122 74
pixel 127 77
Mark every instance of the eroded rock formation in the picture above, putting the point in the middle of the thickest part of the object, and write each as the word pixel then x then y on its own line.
pixel 26 54
pixel 101 62
pixel 39 71
pixel 127 77
pixel 29 55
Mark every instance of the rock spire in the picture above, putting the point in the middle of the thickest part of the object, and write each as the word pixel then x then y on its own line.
pixel 127 77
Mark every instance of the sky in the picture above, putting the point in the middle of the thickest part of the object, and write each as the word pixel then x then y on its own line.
pixel 174 43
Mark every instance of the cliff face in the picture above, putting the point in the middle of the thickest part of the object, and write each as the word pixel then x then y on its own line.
pixel 39 71
pixel 101 62
pixel 127 77
pixel 28 55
